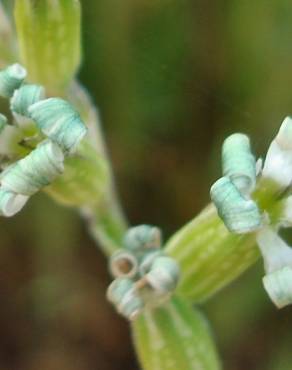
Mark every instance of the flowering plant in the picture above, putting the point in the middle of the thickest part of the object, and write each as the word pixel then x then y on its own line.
pixel 53 142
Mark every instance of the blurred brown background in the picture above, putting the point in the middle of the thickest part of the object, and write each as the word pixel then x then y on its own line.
pixel 171 79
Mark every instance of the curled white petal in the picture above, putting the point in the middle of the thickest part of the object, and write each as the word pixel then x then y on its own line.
pixel 163 275
pixel 276 253
pixel 279 286
pixel 287 213
pixel 36 170
pixel 123 264
pixel 278 163
pixel 11 203
pixel 284 136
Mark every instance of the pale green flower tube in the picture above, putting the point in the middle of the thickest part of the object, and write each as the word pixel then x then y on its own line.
pixel 49 41
pixel 209 255
pixel 7 38
pixel 174 337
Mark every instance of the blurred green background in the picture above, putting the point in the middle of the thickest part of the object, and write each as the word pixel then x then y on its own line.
pixel 171 78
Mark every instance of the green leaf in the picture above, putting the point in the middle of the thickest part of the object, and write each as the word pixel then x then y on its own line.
pixel 174 337
pixel 49 40
pixel 209 255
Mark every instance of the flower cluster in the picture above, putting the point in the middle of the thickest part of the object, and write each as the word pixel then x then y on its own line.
pixel 144 275
pixel 252 199
pixel 59 131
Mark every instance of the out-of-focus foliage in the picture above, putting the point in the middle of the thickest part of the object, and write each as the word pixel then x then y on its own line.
pixel 171 78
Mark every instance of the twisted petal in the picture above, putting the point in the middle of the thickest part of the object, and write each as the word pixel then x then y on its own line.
pixel 10 79
pixel 278 265
pixel 123 264
pixel 239 163
pixel 142 238
pixel 147 260
pixel 35 171
pixel 123 295
pixel 239 214
pixel 275 251
pixel 25 96
pixel 58 120
pixel 163 275
pixel 11 203
pixel 279 286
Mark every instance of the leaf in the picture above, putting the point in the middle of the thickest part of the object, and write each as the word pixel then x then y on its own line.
pixel 174 337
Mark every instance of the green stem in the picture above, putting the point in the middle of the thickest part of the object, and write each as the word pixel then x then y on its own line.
pixel 106 221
